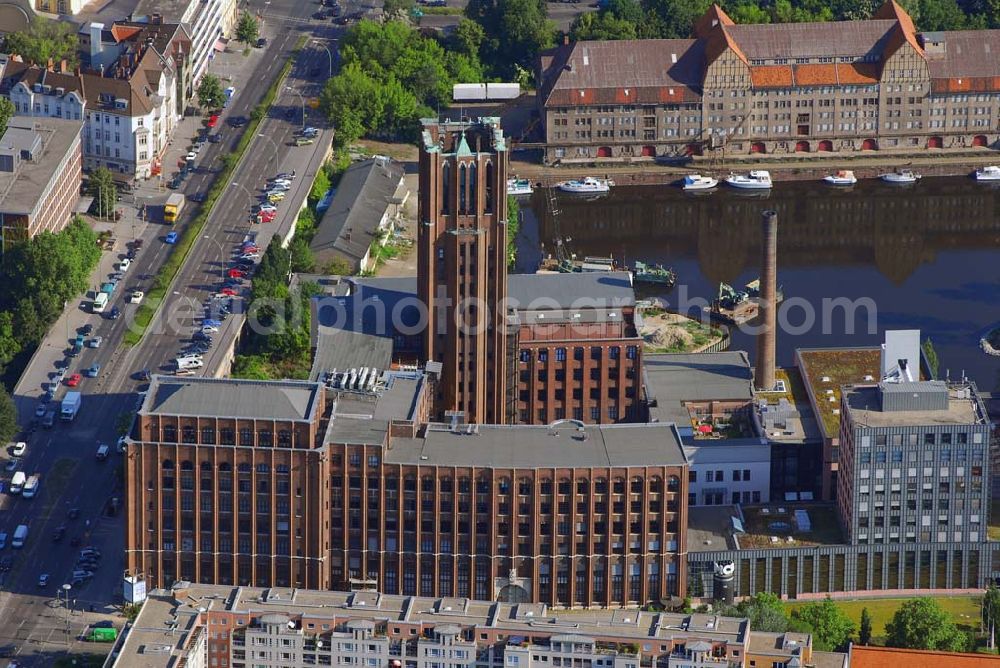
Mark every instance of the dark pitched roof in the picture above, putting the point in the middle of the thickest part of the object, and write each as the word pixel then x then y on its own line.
pixel 351 223
pixel 645 71
pixel 766 41
pixel 966 54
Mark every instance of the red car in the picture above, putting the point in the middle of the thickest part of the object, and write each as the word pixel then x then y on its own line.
pixel 213 120
pixel 229 292
pixel 73 380
pixel 249 249
pixel 236 273
pixel 266 217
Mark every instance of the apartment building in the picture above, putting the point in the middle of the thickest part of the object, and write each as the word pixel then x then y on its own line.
pixel 208 22
pixel 39 177
pixel 345 484
pixel 838 87
pixel 294 628
pixel 130 101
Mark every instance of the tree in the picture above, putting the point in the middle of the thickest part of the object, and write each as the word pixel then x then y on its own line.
pixel 831 628
pixel 247 30
pixel 44 40
pixel 865 634
pixel 210 93
pixel 515 31
pixel 302 255
pixel 923 624
pixel 601 25
pixel 765 612
pixel 8 416
pixel 941 15
pixel 396 6
pixel 102 188
pixel 991 614
pixel 9 344
pixel 467 38
pixel 932 359
pixel 6 111
pixel 674 18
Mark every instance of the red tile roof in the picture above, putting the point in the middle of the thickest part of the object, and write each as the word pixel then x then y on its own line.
pixel 771 76
pixel 890 657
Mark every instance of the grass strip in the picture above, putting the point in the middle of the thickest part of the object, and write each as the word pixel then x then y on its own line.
pixel 168 272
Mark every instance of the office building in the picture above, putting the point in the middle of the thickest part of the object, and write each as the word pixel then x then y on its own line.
pixel 39 177
pixel 344 484
pixel 779 89
pixel 295 628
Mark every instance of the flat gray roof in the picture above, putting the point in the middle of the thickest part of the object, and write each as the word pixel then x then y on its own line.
pixel 21 190
pixel 675 378
pixel 161 636
pixel 710 528
pixel 340 349
pixel 363 418
pixel 223 397
pixel 596 289
pixel 564 445
pixel 865 405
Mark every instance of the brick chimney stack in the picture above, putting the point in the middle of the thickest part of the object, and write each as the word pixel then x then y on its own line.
pixel 767 315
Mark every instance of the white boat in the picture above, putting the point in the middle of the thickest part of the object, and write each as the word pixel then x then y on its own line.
pixel 757 179
pixel 900 176
pixel 587 186
pixel 518 187
pixel 990 173
pixel 842 177
pixel 699 182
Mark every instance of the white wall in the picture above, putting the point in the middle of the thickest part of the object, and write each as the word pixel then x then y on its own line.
pixel 732 461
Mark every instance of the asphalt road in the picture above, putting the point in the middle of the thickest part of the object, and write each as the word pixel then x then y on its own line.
pixel 34 620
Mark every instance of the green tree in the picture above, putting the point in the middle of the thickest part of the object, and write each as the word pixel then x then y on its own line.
pixel 302 255
pixel 8 416
pixel 351 103
pixel 765 612
pixel 251 367
pixel 674 18
pixel 991 613
pixel 865 634
pixel 10 346
pixel 44 40
pixel 513 227
pixel 932 359
pixel 601 25
pixel 923 624
pixel 831 628
pixel 467 38
pixel 515 31
pixel 396 6
pixel 247 29
pixel 102 188
pixel 210 93
pixel 6 111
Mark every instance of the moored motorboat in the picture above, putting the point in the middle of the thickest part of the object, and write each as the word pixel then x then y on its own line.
pixel 518 186
pixel 842 177
pixel 699 182
pixel 989 173
pixel 655 274
pixel 587 186
pixel 757 179
pixel 900 176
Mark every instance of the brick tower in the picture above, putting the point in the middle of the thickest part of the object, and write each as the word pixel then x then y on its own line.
pixel 462 265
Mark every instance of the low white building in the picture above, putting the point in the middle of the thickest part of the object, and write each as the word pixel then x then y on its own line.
pixel 728 473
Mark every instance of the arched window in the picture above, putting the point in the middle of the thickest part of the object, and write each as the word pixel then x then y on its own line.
pixel 673 484
pixel 244 467
pixel 187 465
pixel 489 188
pixel 168 465
pixel 473 190
pixel 206 466
pixel 462 178
pixel 225 467
pixel 445 188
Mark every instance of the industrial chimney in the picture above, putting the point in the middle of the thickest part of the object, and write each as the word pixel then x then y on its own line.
pixel 764 374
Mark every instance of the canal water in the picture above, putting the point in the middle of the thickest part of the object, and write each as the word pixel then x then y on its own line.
pixel 925 256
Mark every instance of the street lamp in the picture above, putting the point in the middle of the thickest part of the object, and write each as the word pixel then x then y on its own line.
pixel 292 90
pixel 65 589
pixel 328 53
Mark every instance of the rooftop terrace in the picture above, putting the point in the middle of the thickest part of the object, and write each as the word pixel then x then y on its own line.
pixel 825 371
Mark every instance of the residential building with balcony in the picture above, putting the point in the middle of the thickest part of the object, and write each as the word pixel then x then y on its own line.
pixel 836 87
pixel 296 628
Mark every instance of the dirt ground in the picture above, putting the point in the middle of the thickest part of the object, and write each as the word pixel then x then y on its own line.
pixel 406 226
pixel 672 332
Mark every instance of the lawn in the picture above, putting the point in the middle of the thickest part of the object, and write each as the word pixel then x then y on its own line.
pixel 963 609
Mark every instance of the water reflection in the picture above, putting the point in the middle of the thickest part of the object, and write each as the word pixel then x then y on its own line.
pixel 927 255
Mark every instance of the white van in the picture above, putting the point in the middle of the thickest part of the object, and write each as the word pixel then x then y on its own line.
pixel 102 452
pixel 190 362
pixel 20 535
pixel 17 482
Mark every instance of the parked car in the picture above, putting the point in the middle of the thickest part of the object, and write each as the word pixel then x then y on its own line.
pixel 85 329
pixel 114 313
pixel 190 157
pixel 73 380
pixel 19 449
pixel 213 120
pixel 229 292
pixel 40 409
pixel 261 42
pixel 236 273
